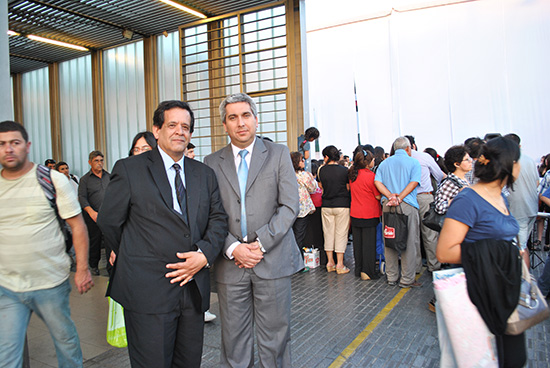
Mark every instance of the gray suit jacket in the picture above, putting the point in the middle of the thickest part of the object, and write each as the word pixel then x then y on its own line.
pixel 272 205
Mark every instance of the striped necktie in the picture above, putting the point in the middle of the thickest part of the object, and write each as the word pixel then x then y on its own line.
pixel 180 191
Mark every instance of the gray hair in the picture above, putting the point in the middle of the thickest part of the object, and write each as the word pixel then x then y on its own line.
pixel 238 97
pixel 401 143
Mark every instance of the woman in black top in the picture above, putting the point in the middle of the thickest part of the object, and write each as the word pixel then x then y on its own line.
pixel 335 210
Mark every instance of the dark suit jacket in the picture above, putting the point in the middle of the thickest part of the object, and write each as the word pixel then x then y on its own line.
pixel 272 205
pixel 139 223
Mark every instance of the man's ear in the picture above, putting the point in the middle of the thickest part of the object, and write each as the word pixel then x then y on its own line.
pixel 156 131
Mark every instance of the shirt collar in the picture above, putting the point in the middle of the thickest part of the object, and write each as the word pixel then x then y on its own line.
pixel 168 161
pixel 236 149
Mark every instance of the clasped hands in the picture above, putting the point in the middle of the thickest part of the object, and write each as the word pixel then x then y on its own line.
pixel 184 271
pixel 393 200
pixel 248 255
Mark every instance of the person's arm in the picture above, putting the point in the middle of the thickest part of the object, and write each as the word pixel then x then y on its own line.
pixel 435 170
pixel 83 198
pixel 450 239
pixel 306 155
pixel 82 276
pixel 408 189
pixel 114 210
pixel 271 234
pixel 545 200
pixel 310 182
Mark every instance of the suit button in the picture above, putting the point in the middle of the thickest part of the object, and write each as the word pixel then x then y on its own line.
pixel 238 220
pixel 186 236
pixel 238 201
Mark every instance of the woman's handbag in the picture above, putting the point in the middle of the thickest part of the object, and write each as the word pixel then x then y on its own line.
pixel 532 308
pixel 432 219
pixel 395 229
pixel 116 328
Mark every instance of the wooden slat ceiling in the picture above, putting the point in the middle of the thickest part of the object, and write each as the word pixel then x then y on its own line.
pixel 96 24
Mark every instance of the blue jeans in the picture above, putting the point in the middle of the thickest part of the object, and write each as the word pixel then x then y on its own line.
pixel 544 279
pixel 52 306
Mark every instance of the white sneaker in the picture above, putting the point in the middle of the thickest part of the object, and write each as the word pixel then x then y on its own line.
pixel 209 317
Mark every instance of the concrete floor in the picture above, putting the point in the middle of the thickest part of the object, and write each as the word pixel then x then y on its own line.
pixel 329 312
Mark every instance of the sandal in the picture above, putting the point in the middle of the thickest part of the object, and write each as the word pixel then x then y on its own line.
pixel 331 268
pixel 343 270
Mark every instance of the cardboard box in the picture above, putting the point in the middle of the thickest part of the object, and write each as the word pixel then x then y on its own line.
pixel 311 258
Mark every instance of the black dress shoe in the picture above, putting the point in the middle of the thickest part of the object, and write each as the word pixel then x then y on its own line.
pixel 95 271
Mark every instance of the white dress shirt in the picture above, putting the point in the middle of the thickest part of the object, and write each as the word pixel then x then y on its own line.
pixel 171 173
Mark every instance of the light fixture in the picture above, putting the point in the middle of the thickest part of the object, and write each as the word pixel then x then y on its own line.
pixel 13 33
pixel 126 33
pixel 58 43
pixel 184 8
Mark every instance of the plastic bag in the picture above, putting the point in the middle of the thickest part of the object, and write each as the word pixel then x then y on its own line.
pixel 116 329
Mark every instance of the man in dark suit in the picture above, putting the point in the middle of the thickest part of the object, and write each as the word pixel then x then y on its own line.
pixel 260 194
pixel 163 218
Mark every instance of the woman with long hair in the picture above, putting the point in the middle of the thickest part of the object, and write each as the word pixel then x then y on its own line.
pixel 335 210
pixel 479 214
pixel 365 214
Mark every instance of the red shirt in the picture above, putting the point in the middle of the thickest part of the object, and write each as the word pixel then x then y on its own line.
pixel 364 205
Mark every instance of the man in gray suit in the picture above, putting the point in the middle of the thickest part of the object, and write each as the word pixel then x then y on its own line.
pixel 260 194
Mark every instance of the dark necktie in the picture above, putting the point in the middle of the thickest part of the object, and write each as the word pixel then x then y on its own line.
pixel 180 191
pixel 243 177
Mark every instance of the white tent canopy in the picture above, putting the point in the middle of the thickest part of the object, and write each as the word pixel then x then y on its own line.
pixel 440 73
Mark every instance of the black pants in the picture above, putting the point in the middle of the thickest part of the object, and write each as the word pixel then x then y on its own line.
pixel 299 228
pixel 167 340
pixel 511 351
pixel 96 239
pixel 314 234
pixel 364 250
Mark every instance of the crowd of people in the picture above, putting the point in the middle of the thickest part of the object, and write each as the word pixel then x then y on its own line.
pixel 247 212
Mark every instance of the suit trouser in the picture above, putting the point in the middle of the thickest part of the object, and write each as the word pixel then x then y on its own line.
pixel 165 340
pixel 429 236
pixel 260 302
pixel 408 256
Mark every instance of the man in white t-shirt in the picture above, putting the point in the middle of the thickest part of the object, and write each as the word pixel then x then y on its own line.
pixel 34 267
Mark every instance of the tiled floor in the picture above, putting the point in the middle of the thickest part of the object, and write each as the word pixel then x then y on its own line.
pixel 328 312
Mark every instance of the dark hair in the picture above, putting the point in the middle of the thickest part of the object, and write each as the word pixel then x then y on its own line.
pixel 368 147
pixel 296 158
pixel 496 161
pixel 411 139
pixel 438 159
pixel 311 133
pixel 59 164
pixel 474 145
pixel 149 138
pixel 544 165
pixel 361 160
pixel 12 126
pixel 513 137
pixel 454 155
pixel 315 167
pixel 49 161
pixel 94 154
pixel 190 146
pixel 490 136
pixel 158 116
pixel 332 153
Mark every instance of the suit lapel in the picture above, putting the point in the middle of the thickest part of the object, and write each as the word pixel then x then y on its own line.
pixel 158 172
pixel 192 186
pixel 259 155
pixel 227 166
